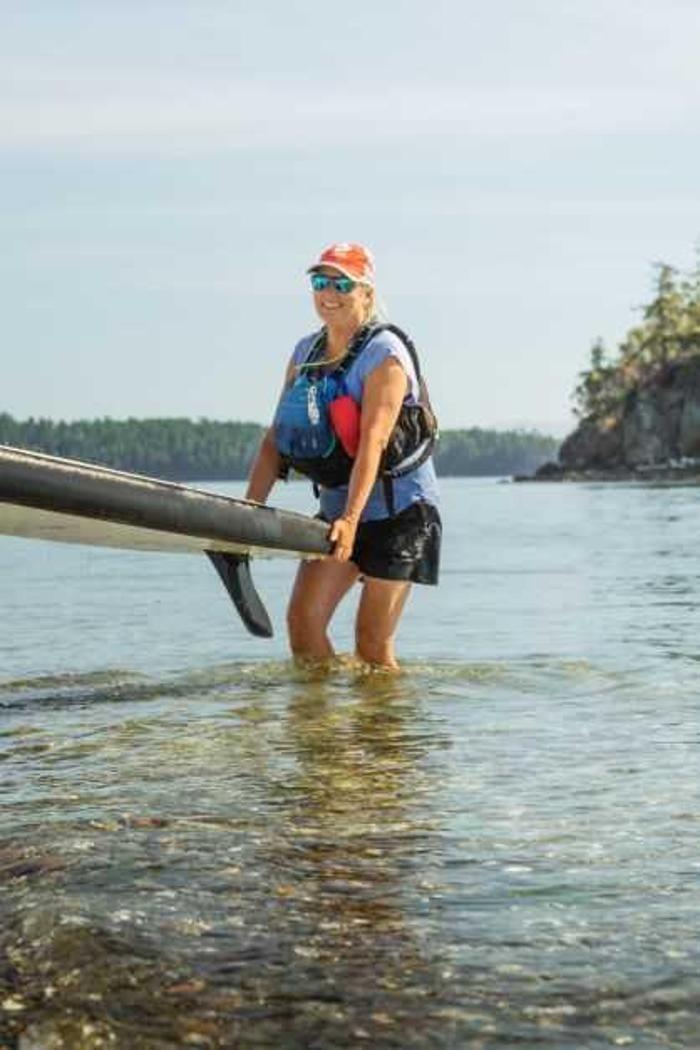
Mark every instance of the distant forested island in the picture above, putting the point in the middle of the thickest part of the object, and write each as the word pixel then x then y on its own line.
pixel 639 406
pixel 205 449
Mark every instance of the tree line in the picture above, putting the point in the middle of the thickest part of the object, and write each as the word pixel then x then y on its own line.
pixel 669 332
pixel 205 449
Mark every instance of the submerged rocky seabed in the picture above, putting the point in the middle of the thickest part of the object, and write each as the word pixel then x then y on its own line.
pixel 446 859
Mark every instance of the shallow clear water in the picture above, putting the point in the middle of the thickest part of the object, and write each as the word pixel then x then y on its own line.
pixel 200 846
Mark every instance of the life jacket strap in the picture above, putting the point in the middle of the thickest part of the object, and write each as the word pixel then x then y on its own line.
pixel 388 486
pixel 357 343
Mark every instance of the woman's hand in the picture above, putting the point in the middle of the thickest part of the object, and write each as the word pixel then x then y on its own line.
pixel 342 536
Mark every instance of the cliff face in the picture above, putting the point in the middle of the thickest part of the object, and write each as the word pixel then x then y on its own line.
pixel 657 426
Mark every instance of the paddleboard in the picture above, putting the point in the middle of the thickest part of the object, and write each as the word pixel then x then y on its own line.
pixel 64 500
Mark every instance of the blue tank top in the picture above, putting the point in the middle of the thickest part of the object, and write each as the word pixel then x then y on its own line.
pixel 419 484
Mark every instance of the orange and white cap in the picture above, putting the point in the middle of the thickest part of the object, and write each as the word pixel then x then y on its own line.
pixel 352 260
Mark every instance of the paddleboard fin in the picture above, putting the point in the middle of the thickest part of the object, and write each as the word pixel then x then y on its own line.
pixel 234 570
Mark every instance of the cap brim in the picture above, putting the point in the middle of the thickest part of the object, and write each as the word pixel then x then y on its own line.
pixel 341 269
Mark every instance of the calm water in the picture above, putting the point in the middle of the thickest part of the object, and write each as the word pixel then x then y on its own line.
pixel 201 847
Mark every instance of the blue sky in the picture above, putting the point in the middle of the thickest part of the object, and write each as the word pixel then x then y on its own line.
pixel 169 170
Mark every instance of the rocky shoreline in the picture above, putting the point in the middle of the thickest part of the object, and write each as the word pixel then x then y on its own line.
pixel 663 473
pixel 653 434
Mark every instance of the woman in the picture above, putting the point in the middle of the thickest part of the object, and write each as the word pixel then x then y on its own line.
pixel 385 539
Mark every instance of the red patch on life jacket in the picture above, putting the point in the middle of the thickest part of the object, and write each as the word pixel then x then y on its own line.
pixel 345 419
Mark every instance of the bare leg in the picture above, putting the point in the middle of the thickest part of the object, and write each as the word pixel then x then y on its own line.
pixel 318 588
pixel 378 615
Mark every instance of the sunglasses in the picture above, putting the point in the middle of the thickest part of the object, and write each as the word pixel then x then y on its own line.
pixel 343 285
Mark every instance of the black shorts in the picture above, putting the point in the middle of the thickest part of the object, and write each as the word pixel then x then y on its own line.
pixel 405 547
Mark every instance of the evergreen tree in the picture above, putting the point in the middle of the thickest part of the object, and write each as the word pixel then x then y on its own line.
pixel 669 332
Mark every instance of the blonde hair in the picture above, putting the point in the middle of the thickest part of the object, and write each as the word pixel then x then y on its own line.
pixel 376 310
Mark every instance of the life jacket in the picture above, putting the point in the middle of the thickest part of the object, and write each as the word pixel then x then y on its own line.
pixel 317 423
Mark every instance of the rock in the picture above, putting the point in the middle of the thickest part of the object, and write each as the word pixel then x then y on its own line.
pixel 191 987
pixel 132 821
pixel 689 426
pixel 13 1004
pixel 594 445
pixel 20 864
pixel 656 429
pixel 550 472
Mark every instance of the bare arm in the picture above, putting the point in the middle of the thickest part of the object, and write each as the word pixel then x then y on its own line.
pixel 385 389
pixel 265 469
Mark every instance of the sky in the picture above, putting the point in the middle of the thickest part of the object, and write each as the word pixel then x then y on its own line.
pixel 169 169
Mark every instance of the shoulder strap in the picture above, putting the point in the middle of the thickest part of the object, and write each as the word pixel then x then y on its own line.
pixel 359 342
pixel 316 344
pixel 405 339
pixel 362 337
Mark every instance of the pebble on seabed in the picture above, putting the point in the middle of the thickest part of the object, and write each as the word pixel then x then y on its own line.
pixel 13 1004
pixel 82 1036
